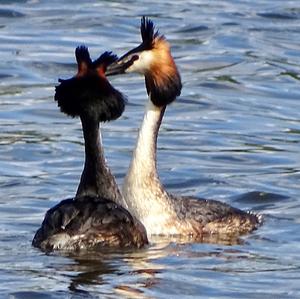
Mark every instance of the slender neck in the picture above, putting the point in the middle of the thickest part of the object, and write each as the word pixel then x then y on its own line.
pixel 142 189
pixel 96 179
pixel 143 163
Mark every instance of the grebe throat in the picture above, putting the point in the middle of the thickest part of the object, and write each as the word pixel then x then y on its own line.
pixel 96 179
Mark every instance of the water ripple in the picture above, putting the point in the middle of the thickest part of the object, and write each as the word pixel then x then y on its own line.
pixel 233 135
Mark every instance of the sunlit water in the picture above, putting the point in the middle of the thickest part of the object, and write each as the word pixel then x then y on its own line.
pixel 233 135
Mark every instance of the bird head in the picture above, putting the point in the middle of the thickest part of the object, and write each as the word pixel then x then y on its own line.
pixel 89 94
pixel 153 59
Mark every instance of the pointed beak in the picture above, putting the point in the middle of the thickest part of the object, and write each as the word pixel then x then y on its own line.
pixel 120 66
pixel 123 63
pixel 116 68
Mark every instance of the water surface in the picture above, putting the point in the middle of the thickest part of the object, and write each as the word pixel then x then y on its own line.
pixel 233 135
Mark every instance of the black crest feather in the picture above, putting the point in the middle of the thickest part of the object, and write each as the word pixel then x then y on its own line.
pixel 106 59
pixel 82 55
pixel 90 95
pixel 148 32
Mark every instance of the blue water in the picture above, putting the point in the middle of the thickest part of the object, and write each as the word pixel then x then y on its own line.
pixel 233 135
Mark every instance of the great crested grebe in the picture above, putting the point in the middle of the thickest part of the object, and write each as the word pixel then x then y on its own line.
pixel 95 218
pixel 160 212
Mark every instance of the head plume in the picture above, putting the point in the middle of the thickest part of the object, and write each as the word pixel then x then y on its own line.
pixel 105 59
pixel 83 59
pixel 82 55
pixel 163 81
pixel 89 94
pixel 153 59
pixel 148 32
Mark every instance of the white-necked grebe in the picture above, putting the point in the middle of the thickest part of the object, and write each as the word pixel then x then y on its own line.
pixel 95 218
pixel 161 212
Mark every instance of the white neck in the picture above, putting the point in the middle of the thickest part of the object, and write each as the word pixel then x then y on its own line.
pixel 145 150
pixel 142 189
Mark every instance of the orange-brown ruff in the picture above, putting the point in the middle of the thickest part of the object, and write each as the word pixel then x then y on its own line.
pixel 160 212
pixel 95 218
pixel 162 68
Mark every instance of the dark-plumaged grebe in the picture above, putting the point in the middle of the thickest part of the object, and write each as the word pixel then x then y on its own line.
pixel 161 212
pixel 95 218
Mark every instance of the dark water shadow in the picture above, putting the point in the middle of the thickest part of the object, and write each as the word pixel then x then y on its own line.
pixel 91 273
pixel 259 197
pixel 10 13
pixel 278 16
pixel 90 269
